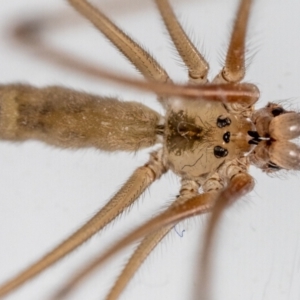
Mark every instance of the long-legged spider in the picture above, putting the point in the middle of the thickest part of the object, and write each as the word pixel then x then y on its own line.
pixel 81 159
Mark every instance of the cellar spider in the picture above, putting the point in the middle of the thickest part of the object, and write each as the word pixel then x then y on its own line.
pixel 266 215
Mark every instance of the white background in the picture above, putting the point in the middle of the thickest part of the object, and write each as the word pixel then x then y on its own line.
pixel 46 193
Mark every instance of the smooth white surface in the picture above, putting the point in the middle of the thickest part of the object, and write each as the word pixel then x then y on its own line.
pixel 46 193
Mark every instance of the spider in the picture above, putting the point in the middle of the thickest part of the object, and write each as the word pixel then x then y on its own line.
pixel 165 183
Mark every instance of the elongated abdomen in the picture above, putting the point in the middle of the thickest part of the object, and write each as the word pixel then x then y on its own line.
pixel 67 118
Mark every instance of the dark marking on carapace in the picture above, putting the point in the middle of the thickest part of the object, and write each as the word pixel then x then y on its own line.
pixel 193 163
pixel 183 133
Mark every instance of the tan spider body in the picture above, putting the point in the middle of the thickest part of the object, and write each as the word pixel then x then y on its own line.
pixel 180 167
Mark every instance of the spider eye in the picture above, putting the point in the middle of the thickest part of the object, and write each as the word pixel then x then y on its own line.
pixel 223 121
pixel 220 152
pixel 226 137
pixel 273 166
pixel 277 111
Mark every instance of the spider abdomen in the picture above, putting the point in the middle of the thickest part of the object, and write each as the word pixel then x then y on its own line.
pixel 67 118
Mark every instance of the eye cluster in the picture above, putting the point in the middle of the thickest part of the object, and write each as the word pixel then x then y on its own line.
pixel 222 122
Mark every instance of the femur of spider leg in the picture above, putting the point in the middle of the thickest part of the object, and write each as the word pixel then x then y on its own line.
pixel 195 62
pixel 139 57
pixel 234 69
pixel 138 257
pixel 189 189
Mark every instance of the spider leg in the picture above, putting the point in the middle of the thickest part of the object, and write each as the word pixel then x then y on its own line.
pixel 239 185
pixel 138 257
pixel 197 66
pixel 142 60
pixel 132 189
pixel 234 69
pixel 188 189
